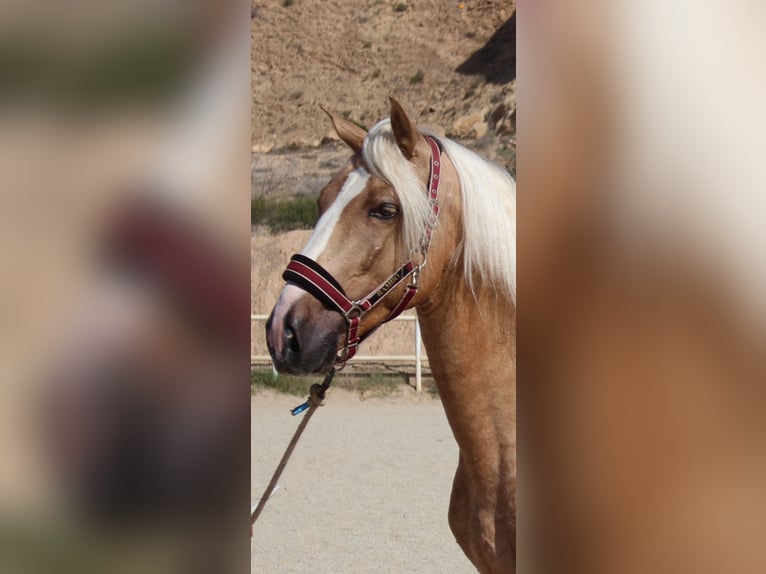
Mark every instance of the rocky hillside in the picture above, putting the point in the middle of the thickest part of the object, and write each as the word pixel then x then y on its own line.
pixel 451 64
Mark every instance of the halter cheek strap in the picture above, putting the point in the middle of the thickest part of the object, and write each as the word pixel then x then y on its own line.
pixel 310 276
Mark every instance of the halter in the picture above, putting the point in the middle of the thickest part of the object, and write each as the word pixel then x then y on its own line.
pixel 310 276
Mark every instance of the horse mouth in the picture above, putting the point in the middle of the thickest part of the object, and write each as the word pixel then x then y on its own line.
pixel 306 366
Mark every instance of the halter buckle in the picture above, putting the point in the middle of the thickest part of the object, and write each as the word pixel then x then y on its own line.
pixel 340 360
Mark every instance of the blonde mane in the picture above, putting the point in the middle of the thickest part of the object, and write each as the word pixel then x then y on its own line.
pixel 488 192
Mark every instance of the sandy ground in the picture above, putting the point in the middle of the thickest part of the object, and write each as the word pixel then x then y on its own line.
pixel 366 491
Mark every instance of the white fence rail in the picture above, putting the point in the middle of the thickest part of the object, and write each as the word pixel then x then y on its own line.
pixel 417 358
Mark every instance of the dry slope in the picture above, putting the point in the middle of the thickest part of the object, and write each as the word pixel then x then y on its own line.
pixel 452 64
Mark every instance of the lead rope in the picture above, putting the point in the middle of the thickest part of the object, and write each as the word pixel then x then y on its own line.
pixel 316 396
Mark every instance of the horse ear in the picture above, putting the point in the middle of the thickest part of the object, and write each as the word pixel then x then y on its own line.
pixel 405 131
pixel 350 133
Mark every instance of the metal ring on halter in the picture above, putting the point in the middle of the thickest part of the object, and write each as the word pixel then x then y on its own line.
pixel 416 274
pixel 340 359
pixel 355 311
pixel 418 257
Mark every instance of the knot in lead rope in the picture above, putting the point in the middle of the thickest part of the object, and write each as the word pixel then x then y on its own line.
pixel 316 394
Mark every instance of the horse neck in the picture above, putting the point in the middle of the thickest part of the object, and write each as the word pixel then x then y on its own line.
pixel 471 349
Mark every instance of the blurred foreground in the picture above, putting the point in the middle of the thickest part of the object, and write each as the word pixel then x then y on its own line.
pixel 642 287
pixel 125 256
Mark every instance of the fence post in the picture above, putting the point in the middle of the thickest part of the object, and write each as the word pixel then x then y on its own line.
pixel 418 370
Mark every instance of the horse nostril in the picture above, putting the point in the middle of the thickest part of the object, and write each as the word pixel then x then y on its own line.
pixel 291 339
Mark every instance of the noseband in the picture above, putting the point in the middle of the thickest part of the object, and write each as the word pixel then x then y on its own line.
pixel 310 276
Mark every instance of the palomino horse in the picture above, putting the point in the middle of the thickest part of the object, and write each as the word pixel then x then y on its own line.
pixel 378 235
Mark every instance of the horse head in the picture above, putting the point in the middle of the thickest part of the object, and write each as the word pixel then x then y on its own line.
pixel 374 217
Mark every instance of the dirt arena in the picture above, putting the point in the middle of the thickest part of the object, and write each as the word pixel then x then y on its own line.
pixel 366 491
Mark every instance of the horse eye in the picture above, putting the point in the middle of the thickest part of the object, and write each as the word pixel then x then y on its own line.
pixel 384 211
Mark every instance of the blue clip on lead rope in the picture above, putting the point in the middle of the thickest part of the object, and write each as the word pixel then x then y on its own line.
pixel 300 408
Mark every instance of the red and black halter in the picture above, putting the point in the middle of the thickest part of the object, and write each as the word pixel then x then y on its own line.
pixel 316 280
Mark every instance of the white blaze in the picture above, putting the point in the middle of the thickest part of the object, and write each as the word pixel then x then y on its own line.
pixel 354 185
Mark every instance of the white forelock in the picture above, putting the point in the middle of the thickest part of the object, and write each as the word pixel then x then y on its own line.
pixel 488 192
pixel 385 159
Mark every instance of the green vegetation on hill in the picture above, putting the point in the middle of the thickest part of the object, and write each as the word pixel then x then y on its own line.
pixel 281 215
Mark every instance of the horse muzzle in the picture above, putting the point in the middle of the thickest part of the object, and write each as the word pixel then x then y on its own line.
pixel 303 338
